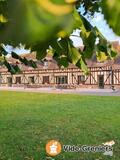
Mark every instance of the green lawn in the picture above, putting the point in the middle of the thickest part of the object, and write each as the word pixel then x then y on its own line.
pixel 29 120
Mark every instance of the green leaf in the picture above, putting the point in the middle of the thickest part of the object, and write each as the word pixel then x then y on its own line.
pixel 14 55
pixel 77 20
pixel 63 43
pixel 101 56
pixel 32 22
pixel 113 54
pixel 90 6
pixel 83 66
pixel 102 39
pixel 40 54
pixel 87 24
pixel 41 49
pixel 57 47
pixel 63 61
pixel 73 54
pixel 17 69
pixel 111 10
pixel 3 51
pixel 89 45
pixel 32 64
pixel 102 48
pixel 9 67
pixel 24 60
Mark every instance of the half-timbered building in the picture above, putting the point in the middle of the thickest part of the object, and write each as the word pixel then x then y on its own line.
pixel 48 74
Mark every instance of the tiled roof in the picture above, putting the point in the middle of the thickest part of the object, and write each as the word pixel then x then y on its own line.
pixel 52 64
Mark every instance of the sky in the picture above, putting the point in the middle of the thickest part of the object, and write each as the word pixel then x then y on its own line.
pixel 103 27
pixel 18 50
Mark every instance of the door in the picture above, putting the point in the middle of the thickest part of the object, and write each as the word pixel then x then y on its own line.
pixel 9 81
pixel 101 81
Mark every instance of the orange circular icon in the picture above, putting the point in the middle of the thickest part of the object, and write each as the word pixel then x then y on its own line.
pixel 53 148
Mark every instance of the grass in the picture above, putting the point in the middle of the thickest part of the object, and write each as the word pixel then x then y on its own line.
pixel 29 120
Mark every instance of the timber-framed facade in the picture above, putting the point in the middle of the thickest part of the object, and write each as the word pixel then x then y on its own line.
pixel 48 74
pixel 99 77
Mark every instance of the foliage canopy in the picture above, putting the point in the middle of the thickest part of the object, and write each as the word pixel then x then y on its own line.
pixel 41 25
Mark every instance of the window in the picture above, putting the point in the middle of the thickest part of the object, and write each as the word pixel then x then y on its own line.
pixel 31 80
pixel 45 79
pixel 9 81
pixel 18 80
pixel 81 79
pixel 45 63
pixel 61 80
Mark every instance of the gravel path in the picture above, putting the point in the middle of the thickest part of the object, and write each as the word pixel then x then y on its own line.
pixel 82 91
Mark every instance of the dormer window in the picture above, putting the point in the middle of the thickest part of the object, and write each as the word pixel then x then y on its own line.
pixel 45 63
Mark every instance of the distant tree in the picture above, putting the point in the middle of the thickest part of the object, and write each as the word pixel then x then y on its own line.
pixel 41 25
